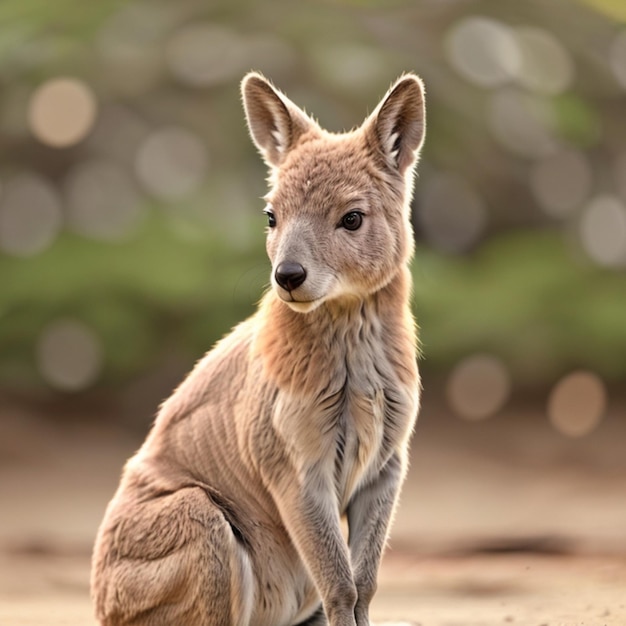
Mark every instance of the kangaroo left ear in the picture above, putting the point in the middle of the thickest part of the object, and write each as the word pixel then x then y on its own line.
pixel 397 126
pixel 275 123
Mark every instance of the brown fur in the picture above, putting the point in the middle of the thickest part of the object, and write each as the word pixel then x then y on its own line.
pixel 230 513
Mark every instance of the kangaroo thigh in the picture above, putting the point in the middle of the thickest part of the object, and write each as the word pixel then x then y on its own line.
pixel 167 560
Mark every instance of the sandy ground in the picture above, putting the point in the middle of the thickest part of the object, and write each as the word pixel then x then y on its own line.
pixel 505 522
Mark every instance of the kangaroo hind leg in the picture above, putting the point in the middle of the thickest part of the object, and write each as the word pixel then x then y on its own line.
pixel 171 559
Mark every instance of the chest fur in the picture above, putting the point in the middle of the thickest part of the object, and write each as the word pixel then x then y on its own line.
pixel 344 430
pixel 344 385
pixel 356 445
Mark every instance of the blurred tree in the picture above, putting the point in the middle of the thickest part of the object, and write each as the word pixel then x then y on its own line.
pixel 129 189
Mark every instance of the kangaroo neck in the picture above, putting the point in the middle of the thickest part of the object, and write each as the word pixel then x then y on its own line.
pixel 304 351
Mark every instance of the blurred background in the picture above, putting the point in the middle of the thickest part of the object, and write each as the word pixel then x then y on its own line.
pixel 131 234
pixel 132 237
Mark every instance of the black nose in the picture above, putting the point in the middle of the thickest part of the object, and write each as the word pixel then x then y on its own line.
pixel 290 275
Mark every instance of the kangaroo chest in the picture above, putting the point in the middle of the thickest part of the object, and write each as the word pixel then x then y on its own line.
pixel 357 442
pixel 363 419
pixel 342 406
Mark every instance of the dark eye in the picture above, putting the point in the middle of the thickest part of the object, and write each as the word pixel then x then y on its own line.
pixel 271 218
pixel 352 220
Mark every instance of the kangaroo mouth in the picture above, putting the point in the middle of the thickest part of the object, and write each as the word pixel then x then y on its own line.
pixel 301 306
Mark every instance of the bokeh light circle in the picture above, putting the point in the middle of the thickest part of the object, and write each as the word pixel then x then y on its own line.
pixel 619 175
pixel 129 47
pixel 171 163
pixel 478 387
pixel 483 50
pixel 577 403
pixel 561 182
pixel 451 213
pixel 62 111
pixel 546 66
pixel 30 215
pixel 350 66
pixel 603 230
pixel 69 355
pixel 102 200
pixel 520 122
pixel 617 58
pixel 201 55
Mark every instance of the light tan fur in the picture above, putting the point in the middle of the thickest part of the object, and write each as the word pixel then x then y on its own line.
pixel 230 513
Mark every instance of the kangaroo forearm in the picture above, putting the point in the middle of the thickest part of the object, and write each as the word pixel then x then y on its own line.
pixel 369 517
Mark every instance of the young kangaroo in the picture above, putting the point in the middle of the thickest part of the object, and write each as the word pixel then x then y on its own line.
pixel 230 513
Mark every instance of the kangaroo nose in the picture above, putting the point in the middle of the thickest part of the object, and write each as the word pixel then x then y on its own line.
pixel 290 275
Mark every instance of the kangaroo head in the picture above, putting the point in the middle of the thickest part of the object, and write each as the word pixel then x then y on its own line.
pixel 338 207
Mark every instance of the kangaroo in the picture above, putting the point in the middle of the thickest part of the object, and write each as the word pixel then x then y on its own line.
pixel 233 511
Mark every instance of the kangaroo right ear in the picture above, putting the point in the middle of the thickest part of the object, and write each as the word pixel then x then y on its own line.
pixel 397 125
pixel 275 123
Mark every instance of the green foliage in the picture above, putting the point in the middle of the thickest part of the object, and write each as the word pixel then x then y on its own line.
pixel 196 266
pixel 577 121
pixel 527 297
pixel 160 293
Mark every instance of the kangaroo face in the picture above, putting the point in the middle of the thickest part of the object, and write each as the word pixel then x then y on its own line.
pixel 338 217
pixel 332 227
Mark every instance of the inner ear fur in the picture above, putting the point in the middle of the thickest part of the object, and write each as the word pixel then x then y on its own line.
pixel 275 123
pixel 397 126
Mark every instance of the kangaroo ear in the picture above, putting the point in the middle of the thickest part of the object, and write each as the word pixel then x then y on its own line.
pixel 275 123
pixel 396 128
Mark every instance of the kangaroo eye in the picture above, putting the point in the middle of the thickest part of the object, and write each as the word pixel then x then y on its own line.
pixel 352 220
pixel 271 218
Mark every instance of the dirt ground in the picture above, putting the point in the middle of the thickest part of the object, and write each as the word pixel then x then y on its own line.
pixel 501 522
